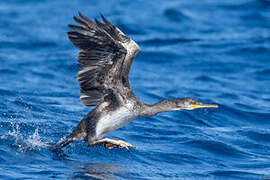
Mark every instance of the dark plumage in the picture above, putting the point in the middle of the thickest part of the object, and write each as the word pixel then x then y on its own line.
pixel 101 58
pixel 105 58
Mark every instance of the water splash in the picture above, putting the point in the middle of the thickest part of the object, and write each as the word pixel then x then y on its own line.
pixel 24 143
pixel 34 141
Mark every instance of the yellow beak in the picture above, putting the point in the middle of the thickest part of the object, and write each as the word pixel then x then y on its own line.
pixel 196 106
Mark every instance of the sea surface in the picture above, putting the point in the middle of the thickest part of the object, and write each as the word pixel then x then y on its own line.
pixel 215 51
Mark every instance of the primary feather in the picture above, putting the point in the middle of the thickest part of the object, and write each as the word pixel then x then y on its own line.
pixel 105 57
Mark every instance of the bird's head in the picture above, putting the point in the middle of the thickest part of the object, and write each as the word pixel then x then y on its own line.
pixel 186 104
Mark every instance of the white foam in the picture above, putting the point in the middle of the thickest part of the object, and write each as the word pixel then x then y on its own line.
pixel 34 141
pixel 25 143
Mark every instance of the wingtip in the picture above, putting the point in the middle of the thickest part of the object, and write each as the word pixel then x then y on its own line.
pixel 104 19
pixel 72 26
pixel 84 18
pixel 80 14
pixel 69 26
pixel 101 15
pixel 76 18
pixel 97 21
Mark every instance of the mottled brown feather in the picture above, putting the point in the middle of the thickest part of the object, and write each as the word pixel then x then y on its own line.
pixel 102 58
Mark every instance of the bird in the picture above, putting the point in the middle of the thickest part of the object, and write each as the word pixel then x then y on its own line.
pixel 105 57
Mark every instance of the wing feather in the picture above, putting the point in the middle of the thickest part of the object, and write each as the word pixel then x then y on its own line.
pixel 104 55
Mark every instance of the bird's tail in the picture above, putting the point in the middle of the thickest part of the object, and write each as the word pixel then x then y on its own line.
pixel 78 133
pixel 61 144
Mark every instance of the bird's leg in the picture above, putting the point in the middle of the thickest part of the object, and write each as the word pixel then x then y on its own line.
pixel 112 143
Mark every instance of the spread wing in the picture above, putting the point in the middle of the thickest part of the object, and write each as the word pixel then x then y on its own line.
pixel 105 57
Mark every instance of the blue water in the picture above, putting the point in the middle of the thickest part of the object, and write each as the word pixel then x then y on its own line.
pixel 215 51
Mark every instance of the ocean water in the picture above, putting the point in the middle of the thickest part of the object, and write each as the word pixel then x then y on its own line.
pixel 214 51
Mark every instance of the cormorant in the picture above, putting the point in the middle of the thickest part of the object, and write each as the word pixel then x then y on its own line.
pixel 105 58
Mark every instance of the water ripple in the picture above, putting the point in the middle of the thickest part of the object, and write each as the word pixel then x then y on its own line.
pixel 214 51
pixel 175 15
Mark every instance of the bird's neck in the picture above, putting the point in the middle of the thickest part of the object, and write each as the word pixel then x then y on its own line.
pixel 153 109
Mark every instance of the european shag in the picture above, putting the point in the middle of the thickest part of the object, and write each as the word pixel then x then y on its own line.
pixel 105 58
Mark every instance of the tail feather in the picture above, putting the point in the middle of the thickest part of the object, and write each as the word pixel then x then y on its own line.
pixel 61 144
pixel 77 134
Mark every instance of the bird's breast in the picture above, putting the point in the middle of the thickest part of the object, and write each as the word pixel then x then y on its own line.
pixel 113 120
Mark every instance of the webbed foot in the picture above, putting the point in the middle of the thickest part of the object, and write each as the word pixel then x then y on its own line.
pixel 112 143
